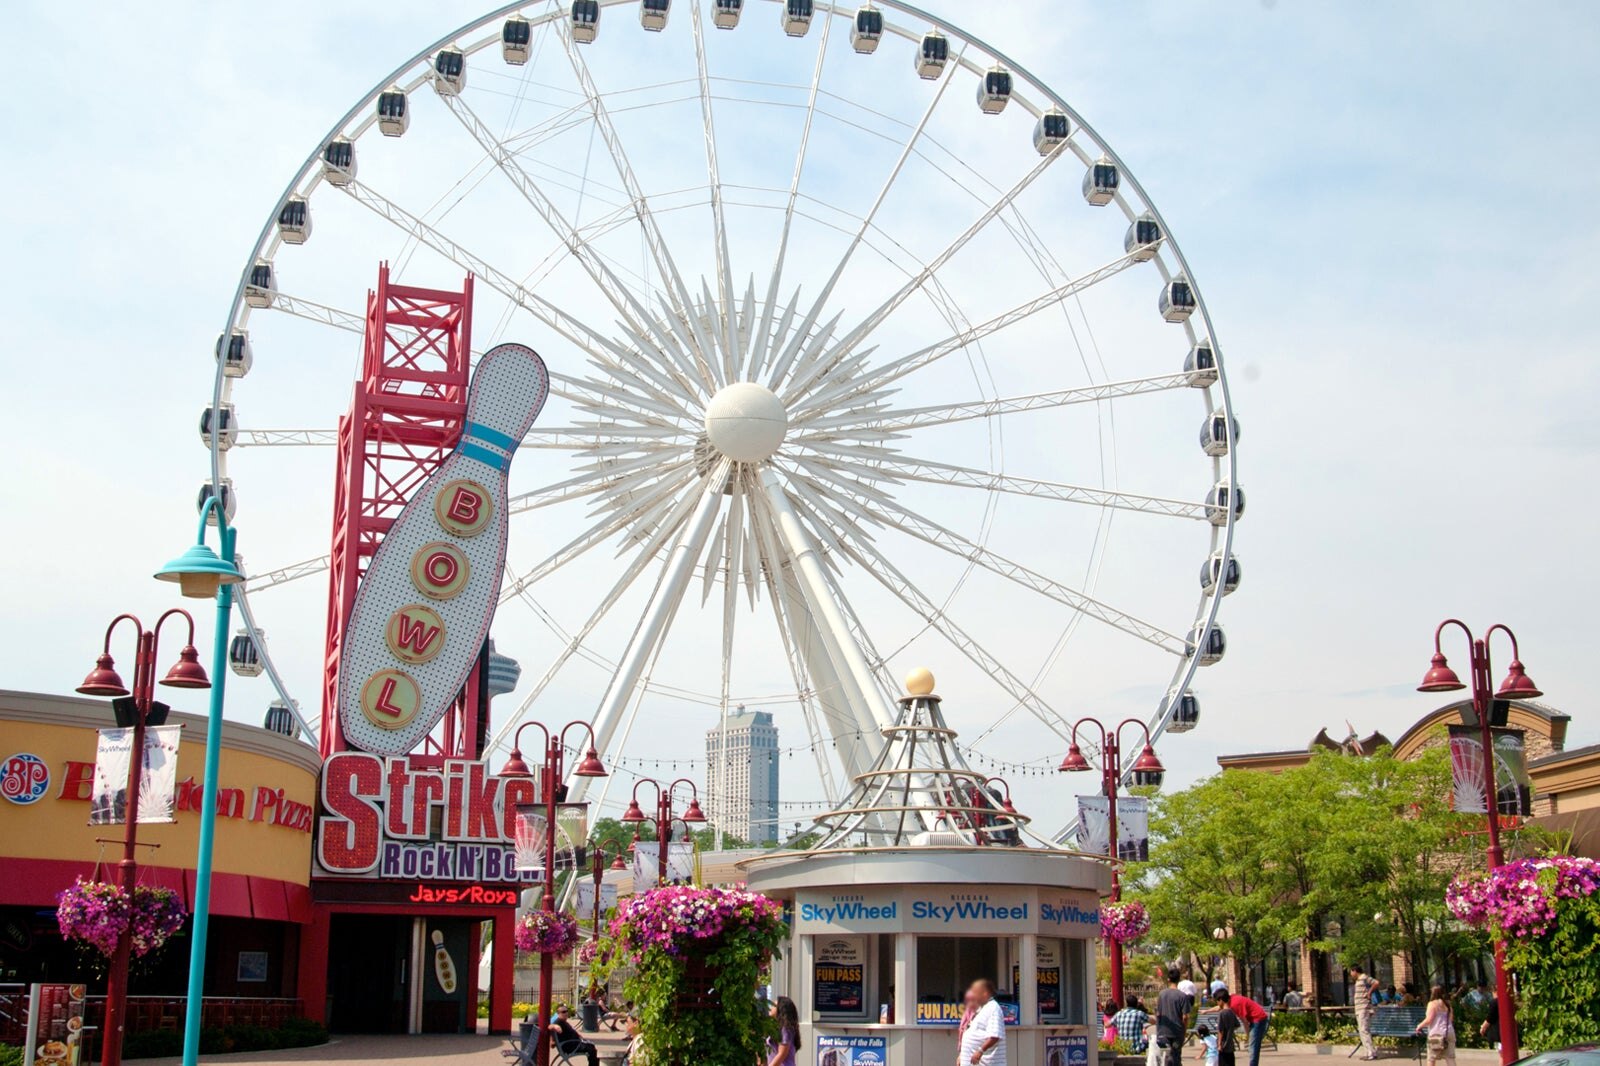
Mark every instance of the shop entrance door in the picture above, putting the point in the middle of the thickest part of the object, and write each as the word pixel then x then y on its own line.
pixel 370 973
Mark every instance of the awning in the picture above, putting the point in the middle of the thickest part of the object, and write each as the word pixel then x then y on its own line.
pixel 35 883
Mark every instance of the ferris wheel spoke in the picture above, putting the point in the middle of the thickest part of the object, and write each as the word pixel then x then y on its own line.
pixel 931 532
pixel 875 380
pixel 678 293
pixel 968 477
pixel 876 563
pixel 241 600
pixel 883 194
pixel 730 356
pixel 898 421
pixel 882 312
pixel 266 579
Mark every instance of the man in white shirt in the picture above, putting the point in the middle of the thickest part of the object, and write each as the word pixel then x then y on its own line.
pixel 983 1043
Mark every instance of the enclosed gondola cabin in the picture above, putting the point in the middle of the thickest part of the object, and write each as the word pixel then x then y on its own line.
pixel 1142 239
pixel 229 503
pixel 1185 716
pixel 449 71
pixel 725 13
pixel 797 17
pixel 1215 568
pixel 653 14
pixel 280 719
pixel 994 91
pixel 1206 645
pixel 234 352
pixel 1051 131
pixel 262 288
pixel 1218 432
pixel 867 31
pixel 1221 499
pixel 1177 301
pixel 515 37
pixel 339 161
pixel 932 54
pixel 1146 779
pixel 218 423
pixel 294 221
pixel 586 20
pixel 1100 182
pixel 1200 365
pixel 243 658
pixel 394 114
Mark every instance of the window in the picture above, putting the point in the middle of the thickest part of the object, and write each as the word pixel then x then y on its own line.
pixel 946 965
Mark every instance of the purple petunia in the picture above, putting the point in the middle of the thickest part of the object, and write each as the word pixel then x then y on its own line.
pixel 1124 922
pixel 98 913
pixel 1519 898
pixel 547 932
pixel 673 918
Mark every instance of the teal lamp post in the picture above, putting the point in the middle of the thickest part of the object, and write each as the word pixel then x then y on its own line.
pixel 201 573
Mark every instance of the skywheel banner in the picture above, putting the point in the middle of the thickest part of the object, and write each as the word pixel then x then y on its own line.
pixel 1133 827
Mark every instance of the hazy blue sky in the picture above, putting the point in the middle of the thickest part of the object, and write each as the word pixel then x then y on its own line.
pixel 1388 206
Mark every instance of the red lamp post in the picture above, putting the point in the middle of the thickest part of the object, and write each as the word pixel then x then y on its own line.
pixel 137 708
pixel 551 791
pixel 1516 686
pixel 664 818
pixel 599 872
pixel 1110 782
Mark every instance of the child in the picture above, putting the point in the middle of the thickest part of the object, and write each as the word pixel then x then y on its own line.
pixel 1227 1026
pixel 1209 1039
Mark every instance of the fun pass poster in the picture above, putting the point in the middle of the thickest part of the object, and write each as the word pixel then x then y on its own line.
pixel 158 781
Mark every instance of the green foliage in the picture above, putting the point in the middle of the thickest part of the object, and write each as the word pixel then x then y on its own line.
pixel 518 1010
pixel 1558 977
pixel 10 1056
pixel 168 1043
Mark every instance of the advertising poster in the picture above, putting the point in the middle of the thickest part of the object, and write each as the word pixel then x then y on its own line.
pixel 950 1013
pixel 572 830
pixel 680 864
pixel 158 785
pixel 1066 1051
pixel 1133 827
pixel 839 974
pixel 608 898
pixel 852 1050
pixel 1513 788
pixel 55 1025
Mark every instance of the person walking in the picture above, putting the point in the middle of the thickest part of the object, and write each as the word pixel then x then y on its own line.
pixel 781 1049
pixel 1172 1019
pixel 983 1041
pixel 1439 1025
pixel 1362 987
pixel 1251 1015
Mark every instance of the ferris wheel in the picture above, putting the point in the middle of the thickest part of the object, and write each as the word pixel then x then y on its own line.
pixel 867 352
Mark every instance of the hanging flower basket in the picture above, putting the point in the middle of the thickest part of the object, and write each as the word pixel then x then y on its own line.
pixel 1521 898
pixel 588 951
pixel 547 933
pixel 1124 922
pixel 97 913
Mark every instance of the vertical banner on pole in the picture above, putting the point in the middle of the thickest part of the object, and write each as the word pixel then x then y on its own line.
pixel 1133 827
pixel 608 897
pixel 108 797
pixel 1512 787
pixel 572 829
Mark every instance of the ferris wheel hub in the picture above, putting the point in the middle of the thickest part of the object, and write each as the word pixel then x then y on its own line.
pixel 746 422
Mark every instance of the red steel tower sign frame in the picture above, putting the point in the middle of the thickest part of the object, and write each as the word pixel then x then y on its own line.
pixel 405 417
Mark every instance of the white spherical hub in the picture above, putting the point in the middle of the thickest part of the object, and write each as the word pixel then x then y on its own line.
pixel 746 422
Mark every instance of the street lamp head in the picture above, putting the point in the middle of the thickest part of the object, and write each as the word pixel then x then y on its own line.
pixel 514 766
pixel 1074 760
pixel 199 572
pixel 617 863
pixel 590 766
pixel 1147 763
pixel 1440 678
pixel 1518 685
pixel 694 813
pixel 633 815
pixel 187 671
pixel 103 680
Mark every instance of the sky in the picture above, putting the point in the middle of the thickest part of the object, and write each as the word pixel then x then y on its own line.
pixel 1386 207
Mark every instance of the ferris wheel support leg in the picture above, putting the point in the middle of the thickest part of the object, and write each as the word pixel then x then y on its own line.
pixel 870 710
pixel 653 627
pixel 834 698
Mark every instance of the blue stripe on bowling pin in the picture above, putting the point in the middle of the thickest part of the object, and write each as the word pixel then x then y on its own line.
pixel 508 390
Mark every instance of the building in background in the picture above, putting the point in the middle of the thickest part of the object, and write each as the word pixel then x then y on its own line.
pixel 742 775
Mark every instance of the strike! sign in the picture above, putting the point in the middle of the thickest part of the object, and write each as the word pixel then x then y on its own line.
pixel 387 819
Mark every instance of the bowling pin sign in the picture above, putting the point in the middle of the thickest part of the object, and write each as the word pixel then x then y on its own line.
pixel 422 611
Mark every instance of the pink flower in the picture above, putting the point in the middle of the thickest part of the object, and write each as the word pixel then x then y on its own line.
pixel 1519 898
pixel 547 932
pixel 1124 922
pixel 98 913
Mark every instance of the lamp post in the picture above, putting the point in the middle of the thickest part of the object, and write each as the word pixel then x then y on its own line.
pixel 664 816
pixel 1110 782
pixel 599 872
pixel 138 708
pixel 551 791
pixel 201 574
pixel 1516 686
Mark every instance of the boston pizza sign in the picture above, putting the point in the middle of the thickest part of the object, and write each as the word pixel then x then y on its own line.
pixel 422 612
pixel 385 818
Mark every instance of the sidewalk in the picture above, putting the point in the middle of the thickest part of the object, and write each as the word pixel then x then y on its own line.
pixel 462 1050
